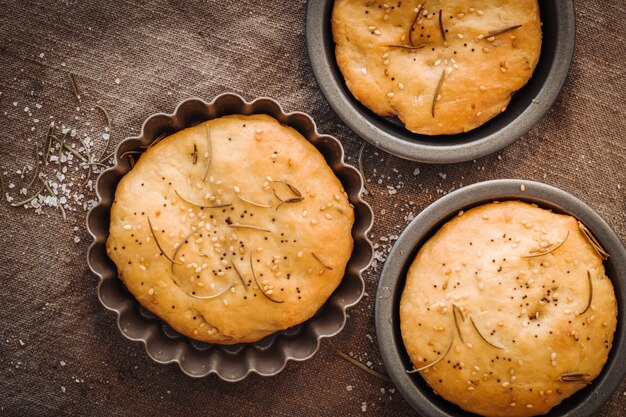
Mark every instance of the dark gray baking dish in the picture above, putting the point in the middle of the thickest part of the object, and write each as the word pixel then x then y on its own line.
pixel 231 363
pixel 585 402
pixel 526 108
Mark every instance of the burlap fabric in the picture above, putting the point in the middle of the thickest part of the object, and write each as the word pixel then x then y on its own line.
pixel 61 352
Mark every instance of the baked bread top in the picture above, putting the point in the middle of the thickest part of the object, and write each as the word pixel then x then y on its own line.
pixel 251 230
pixel 507 310
pixel 457 69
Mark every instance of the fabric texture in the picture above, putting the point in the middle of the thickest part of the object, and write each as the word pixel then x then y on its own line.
pixel 61 351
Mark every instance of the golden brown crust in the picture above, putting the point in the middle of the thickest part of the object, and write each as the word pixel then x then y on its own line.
pixel 523 318
pixel 254 163
pixel 481 72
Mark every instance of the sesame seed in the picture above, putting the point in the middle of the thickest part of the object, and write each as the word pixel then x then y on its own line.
pixel 151 291
pixel 478 113
pixel 400 86
pixel 390 94
pixel 486 50
pixel 364 71
pixel 437 62
pixel 460 36
pixel 480 12
pixel 482 88
pixel 300 254
pixel 377 32
pixel 313 221
pixel 522 188
pixel 143 268
pixel 237 189
pixel 127 227
pixel 386 62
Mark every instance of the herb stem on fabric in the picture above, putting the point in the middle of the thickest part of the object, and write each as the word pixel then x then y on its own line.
pixel 53 195
pixel 359 365
pixel 73 85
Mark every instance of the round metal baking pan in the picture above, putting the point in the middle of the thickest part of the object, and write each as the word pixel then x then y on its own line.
pixel 525 109
pixel 231 363
pixel 585 402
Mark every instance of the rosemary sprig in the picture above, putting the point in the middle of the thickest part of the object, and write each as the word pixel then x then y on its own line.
pixel 252 203
pixel 248 226
pixel 441 29
pixel 590 297
pixel 186 200
pixel 501 31
pixel 74 85
pixel 89 163
pixel 63 144
pixel 36 170
pixel 208 297
pixel 156 240
pixel 243 282
pixel 361 366
pixel 483 337
pixel 436 361
pixel 103 155
pixel 455 309
pixel 209 152
pixel 320 261
pixel 437 90
pixel 53 195
pixel 413 22
pixel 574 378
pixel 544 251
pixel 29 199
pixel 592 241
pixel 298 195
pixel 194 155
pixel 257 283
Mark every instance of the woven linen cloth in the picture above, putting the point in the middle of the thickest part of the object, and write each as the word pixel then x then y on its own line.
pixel 61 352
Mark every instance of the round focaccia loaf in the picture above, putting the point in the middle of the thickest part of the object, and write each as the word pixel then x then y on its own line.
pixel 251 229
pixel 507 310
pixel 436 86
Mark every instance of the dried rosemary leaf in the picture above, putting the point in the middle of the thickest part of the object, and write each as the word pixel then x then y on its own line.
pixel 437 90
pixel 258 286
pixel 593 241
pixel 184 242
pixel 436 361
pixel 29 199
pixel 441 28
pixel 157 140
pixel 248 226
pixel 590 297
pixel 103 155
pixel 501 31
pixel 156 240
pixel 574 378
pixel 320 261
pixel 483 337
pixel 48 142
pixel 243 282
pixel 413 22
pixel 410 47
pixel 209 152
pixel 208 297
pixel 252 203
pixel 361 366
pixel 66 146
pixel 455 309
pixel 194 155
pixel 544 251
pixel 186 200
pixel 74 85
pixel 53 195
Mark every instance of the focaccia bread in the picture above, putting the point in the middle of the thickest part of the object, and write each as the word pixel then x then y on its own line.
pixel 251 229
pixel 507 310
pixel 442 67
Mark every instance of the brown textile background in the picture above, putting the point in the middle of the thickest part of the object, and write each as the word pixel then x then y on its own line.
pixel 61 352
